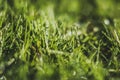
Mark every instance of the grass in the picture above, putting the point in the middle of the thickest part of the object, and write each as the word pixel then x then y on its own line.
pixel 59 40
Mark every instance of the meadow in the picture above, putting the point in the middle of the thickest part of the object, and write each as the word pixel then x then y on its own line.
pixel 59 40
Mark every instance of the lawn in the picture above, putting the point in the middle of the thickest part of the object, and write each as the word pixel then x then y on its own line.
pixel 59 40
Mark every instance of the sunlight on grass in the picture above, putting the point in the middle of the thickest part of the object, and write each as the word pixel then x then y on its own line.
pixel 59 40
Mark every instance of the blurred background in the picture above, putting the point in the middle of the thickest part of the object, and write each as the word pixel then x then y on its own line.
pixel 76 9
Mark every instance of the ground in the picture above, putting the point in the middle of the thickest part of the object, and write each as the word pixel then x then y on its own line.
pixel 59 40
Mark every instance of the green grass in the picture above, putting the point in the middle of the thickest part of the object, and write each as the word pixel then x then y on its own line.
pixel 59 40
